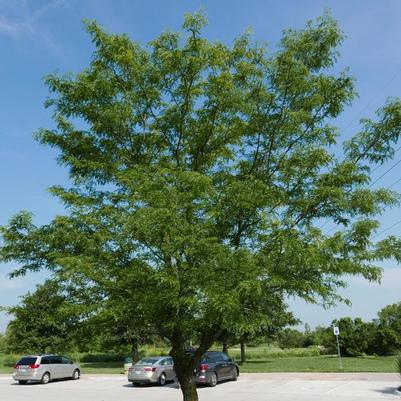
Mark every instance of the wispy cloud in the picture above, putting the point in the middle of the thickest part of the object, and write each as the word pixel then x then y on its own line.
pixel 17 18
pixel 14 28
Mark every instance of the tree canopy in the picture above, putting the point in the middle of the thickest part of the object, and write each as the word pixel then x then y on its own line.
pixel 45 321
pixel 200 175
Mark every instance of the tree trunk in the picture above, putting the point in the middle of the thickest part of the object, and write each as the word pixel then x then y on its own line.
pixel 243 356
pixel 184 365
pixel 188 389
pixel 225 347
pixel 134 351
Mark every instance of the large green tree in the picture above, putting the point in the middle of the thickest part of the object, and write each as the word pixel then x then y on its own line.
pixel 201 174
pixel 44 321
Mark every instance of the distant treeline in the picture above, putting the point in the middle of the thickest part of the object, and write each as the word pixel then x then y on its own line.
pixel 381 336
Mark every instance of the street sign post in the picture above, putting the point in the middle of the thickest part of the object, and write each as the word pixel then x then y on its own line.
pixel 336 331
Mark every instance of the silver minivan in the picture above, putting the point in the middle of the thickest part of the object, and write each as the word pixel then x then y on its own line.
pixel 152 370
pixel 43 368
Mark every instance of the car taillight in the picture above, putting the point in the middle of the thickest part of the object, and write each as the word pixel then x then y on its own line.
pixel 130 369
pixel 204 367
pixel 16 367
pixel 33 366
pixel 150 369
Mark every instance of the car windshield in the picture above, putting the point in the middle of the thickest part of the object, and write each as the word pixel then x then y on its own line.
pixel 30 360
pixel 147 361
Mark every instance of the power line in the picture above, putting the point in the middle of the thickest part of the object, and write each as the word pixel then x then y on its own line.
pixel 384 86
pixel 386 229
pixel 394 183
pixel 374 182
pixel 387 171
pixel 380 165
pixel 370 186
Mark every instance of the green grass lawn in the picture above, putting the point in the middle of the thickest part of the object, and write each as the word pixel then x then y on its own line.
pixel 324 363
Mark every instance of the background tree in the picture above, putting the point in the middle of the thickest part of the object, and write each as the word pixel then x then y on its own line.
pixel 261 318
pixel 200 171
pixel 291 338
pixel 118 327
pixel 3 340
pixel 42 322
pixel 356 336
pixel 388 330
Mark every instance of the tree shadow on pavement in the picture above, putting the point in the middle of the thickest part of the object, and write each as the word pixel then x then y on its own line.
pixel 173 386
pixel 389 390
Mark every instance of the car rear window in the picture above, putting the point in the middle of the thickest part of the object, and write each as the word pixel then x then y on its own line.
pixel 147 361
pixel 211 357
pixel 27 361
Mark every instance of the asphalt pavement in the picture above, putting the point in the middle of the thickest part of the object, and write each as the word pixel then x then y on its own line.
pixel 257 387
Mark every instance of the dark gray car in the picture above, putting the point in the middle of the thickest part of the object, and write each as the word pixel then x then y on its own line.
pixel 214 367
pixel 43 368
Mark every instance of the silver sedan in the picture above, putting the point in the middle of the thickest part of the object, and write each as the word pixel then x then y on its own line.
pixel 152 370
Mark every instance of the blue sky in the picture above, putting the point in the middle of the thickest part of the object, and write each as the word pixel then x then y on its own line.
pixel 43 36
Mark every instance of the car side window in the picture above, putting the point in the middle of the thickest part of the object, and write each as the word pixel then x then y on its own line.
pixel 212 358
pixel 223 357
pixel 55 360
pixel 65 360
pixel 208 358
pixel 170 361
pixel 45 360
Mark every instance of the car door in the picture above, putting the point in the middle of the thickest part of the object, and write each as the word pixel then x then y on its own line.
pixel 45 364
pixel 67 367
pixel 224 365
pixel 169 368
pixel 215 363
pixel 56 367
pixel 165 368
pixel 231 366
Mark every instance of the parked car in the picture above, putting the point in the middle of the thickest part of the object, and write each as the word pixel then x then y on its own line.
pixel 127 364
pixel 158 369
pixel 44 368
pixel 214 367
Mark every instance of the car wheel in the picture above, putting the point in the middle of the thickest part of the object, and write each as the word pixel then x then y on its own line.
pixel 162 379
pixel 76 374
pixel 22 381
pixel 213 379
pixel 45 378
pixel 235 375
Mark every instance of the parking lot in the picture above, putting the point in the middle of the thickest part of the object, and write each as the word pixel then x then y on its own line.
pixel 272 387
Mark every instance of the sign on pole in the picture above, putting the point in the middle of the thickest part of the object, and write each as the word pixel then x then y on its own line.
pixel 336 331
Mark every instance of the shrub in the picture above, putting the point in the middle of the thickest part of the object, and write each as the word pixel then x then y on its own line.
pixel 398 362
pixel 117 356
pixel 260 353
pixel 112 357
pixel 10 360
